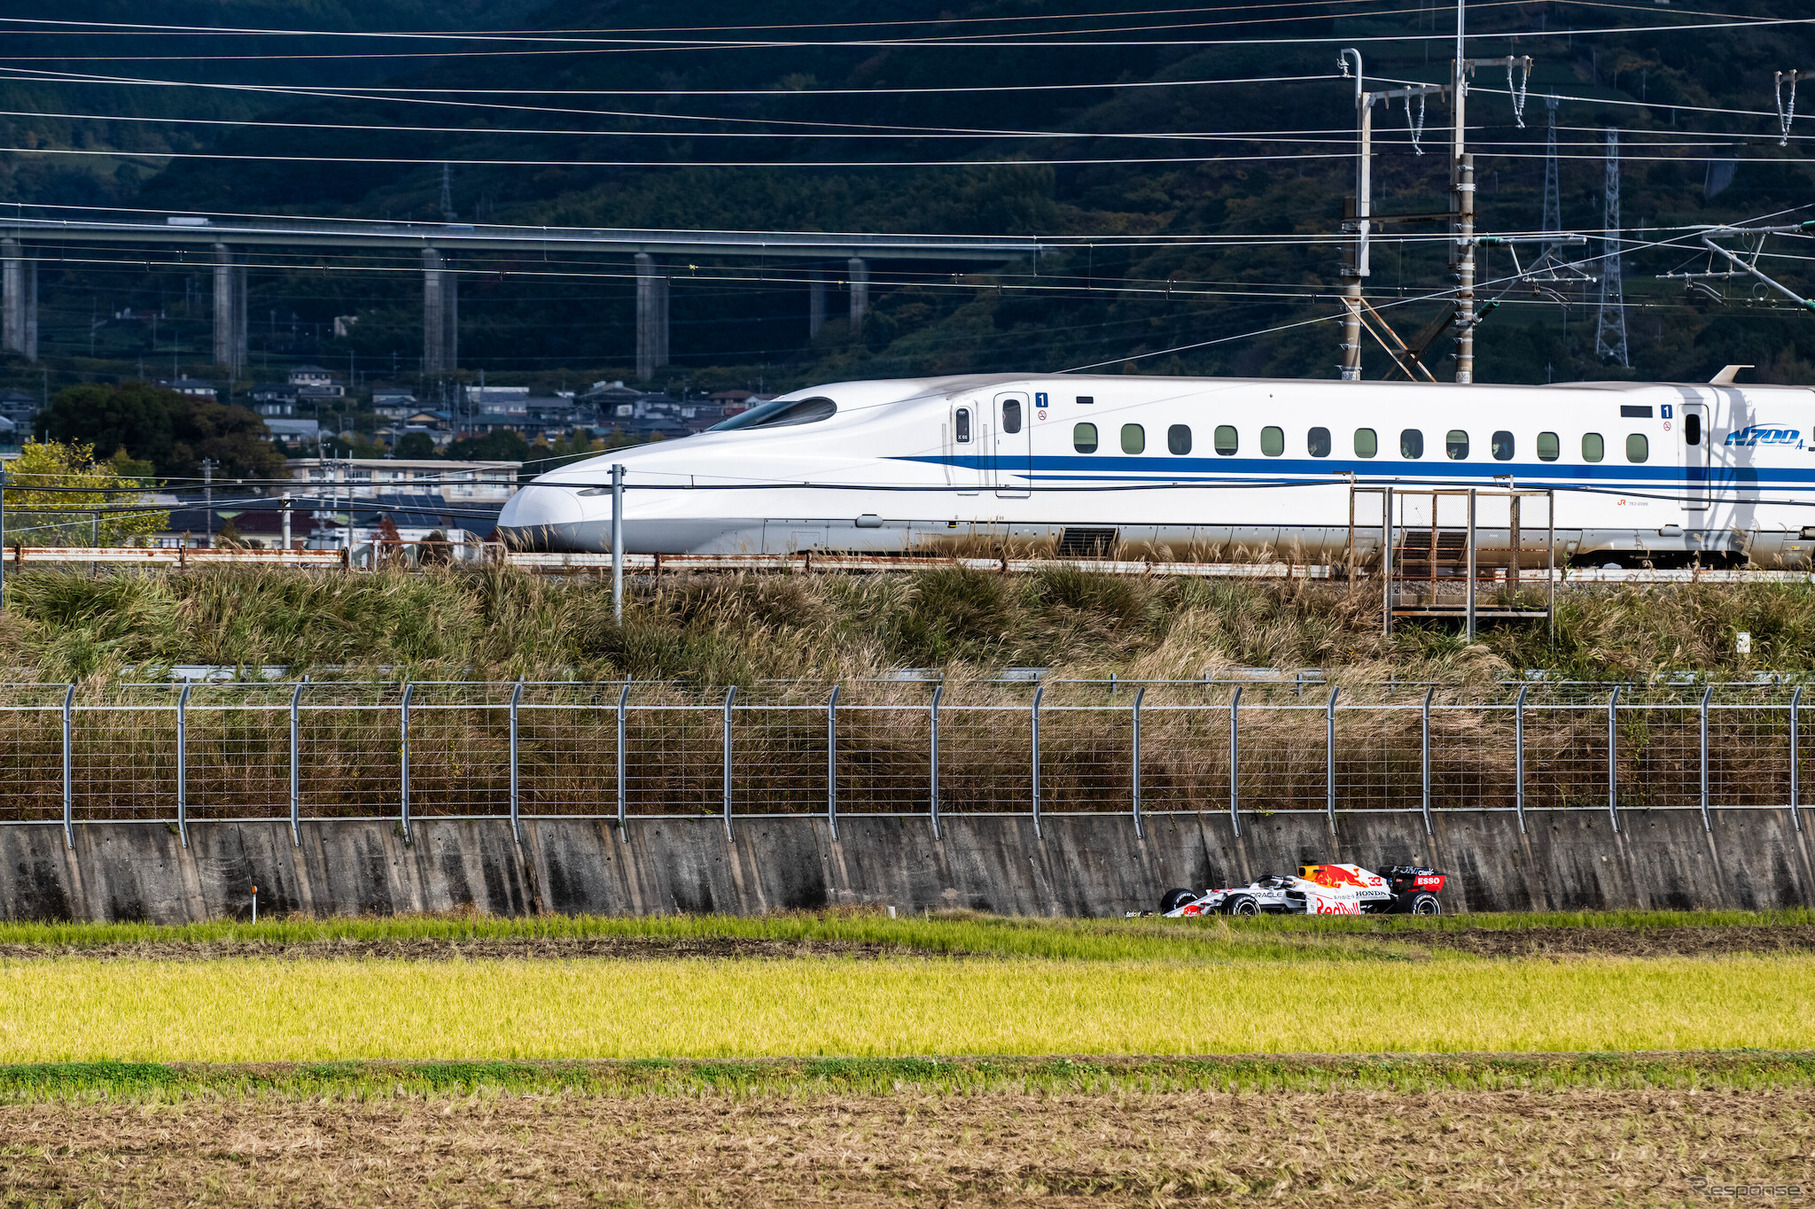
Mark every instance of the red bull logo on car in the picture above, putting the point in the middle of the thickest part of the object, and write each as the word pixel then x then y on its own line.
pixel 1339 877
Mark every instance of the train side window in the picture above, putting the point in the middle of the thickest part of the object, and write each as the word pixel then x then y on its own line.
pixel 1367 443
pixel 1011 415
pixel 1272 441
pixel 1455 445
pixel 963 426
pixel 1692 428
pixel 1178 439
pixel 1549 448
pixel 1411 443
pixel 1317 442
pixel 1134 438
pixel 1226 440
pixel 1593 447
pixel 1502 446
pixel 1084 438
pixel 1638 447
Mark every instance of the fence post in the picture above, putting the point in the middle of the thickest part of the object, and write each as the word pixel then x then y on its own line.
pixel 1135 767
pixel 69 796
pixel 730 696
pixel 832 761
pixel 296 766
pixel 1386 564
pixel 1329 755
pixel 1795 771
pixel 932 751
pixel 623 793
pixel 1424 759
pixel 617 544
pixel 1034 734
pixel 516 816
pixel 1235 818
pixel 1613 767
pixel 1707 824
pixel 1471 558
pixel 182 762
pixel 403 719
pixel 1519 755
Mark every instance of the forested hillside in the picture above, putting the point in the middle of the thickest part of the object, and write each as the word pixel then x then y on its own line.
pixel 822 118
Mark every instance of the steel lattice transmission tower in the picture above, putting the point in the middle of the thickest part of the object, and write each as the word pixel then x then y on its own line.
pixel 1553 198
pixel 1610 322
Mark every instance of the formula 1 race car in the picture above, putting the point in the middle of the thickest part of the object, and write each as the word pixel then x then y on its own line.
pixel 1317 890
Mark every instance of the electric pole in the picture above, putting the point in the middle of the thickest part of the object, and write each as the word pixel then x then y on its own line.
pixel 208 497
pixel 1462 212
pixel 1462 189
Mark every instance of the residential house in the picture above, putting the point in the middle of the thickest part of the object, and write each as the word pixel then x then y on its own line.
pixel 394 402
pixel 18 406
pixel 195 388
pixel 317 378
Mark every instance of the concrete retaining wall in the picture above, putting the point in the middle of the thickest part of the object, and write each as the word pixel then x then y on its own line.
pixel 1079 865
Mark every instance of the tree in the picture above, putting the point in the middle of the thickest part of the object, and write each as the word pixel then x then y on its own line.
pixel 500 446
pixel 172 431
pixel 54 491
pixel 415 445
pixel 134 416
pixel 234 437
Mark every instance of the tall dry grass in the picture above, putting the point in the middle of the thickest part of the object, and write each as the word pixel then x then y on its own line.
pixel 719 629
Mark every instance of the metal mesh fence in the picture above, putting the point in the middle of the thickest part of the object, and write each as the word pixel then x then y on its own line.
pixel 567 748
pixel 241 750
pixel 236 750
pixel 31 752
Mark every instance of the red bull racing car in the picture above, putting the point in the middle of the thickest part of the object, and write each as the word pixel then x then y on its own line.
pixel 1318 890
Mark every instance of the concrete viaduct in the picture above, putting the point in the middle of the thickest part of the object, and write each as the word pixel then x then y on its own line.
pixel 440 244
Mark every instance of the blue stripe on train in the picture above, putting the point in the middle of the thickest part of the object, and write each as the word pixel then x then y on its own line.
pixel 1159 472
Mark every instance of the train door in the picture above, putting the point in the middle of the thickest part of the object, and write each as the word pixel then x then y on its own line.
pixel 1693 424
pixel 1014 460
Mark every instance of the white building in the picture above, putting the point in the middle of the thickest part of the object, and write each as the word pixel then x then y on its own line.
pixel 469 482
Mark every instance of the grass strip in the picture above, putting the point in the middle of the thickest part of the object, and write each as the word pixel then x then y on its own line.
pixel 240 1010
pixel 1326 937
pixel 150 1081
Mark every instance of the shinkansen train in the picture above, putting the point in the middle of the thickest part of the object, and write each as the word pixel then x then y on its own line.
pixel 1660 473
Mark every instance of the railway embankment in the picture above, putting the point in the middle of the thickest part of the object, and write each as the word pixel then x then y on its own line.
pixel 1074 865
pixel 720 629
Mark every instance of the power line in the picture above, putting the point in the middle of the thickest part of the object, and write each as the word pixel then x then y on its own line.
pixel 678 45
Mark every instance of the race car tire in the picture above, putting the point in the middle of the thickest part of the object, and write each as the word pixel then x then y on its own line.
pixel 1172 900
pixel 1425 904
pixel 1241 904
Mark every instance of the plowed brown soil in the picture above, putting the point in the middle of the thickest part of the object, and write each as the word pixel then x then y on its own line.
pixel 1452 1148
pixel 1673 941
pixel 1670 941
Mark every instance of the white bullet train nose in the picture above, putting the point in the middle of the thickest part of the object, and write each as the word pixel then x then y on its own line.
pixel 549 516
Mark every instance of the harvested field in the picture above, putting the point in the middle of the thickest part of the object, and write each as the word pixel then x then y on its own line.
pixel 869 935
pixel 1580 1146
pixel 1686 941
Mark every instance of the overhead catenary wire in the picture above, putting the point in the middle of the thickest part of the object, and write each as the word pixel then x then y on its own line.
pixel 89 27
pixel 619 45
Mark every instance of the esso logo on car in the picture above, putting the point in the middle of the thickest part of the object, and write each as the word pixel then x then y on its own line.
pixel 1427 881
